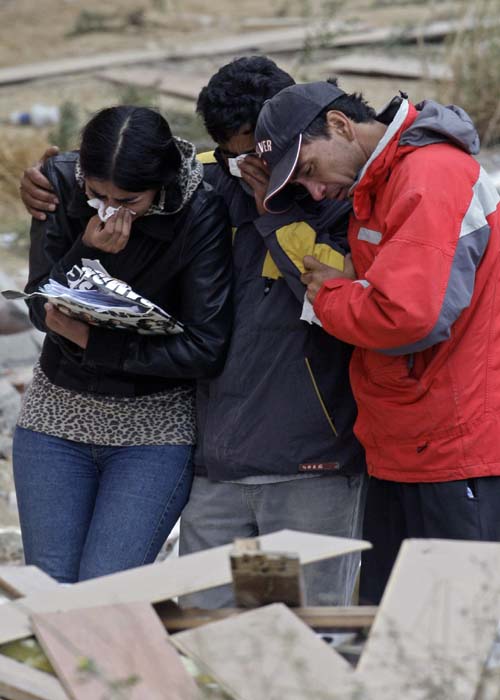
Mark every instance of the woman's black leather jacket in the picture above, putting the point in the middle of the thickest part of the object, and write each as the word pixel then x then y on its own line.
pixel 182 262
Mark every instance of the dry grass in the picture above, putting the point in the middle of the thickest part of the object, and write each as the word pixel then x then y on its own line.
pixel 19 148
pixel 474 57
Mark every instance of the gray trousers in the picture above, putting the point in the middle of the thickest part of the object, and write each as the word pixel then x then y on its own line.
pixel 218 512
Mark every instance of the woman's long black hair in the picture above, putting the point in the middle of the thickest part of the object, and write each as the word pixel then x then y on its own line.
pixel 132 147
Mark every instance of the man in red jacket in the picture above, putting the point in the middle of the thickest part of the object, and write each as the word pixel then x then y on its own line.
pixel 422 307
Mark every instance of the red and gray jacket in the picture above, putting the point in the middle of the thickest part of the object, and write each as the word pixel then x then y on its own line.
pixel 425 311
pixel 282 404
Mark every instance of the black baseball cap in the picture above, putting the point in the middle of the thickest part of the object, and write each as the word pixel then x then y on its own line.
pixel 278 135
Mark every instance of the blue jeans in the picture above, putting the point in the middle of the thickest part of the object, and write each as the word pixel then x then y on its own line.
pixel 88 510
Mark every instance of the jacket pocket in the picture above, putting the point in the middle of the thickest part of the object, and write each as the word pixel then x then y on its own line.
pixel 393 372
pixel 393 404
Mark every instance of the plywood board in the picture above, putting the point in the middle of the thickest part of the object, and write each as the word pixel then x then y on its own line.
pixel 436 623
pixel 157 582
pixel 100 649
pixel 20 682
pixel 391 66
pixel 268 653
pixel 14 621
pixel 20 581
pixel 176 83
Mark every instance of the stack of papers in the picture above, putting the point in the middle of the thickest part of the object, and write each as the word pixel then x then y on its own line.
pixel 93 296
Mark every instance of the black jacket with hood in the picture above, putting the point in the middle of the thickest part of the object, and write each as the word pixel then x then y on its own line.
pixel 182 262
pixel 282 404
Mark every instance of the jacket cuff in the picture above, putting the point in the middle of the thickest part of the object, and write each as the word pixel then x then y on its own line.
pixel 105 348
pixel 78 251
pixel 324 291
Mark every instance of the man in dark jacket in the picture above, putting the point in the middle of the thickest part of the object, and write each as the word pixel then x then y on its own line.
pixel 275 444
pixel 275 448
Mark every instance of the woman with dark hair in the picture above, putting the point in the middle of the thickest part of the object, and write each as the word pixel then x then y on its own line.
pixel 102 450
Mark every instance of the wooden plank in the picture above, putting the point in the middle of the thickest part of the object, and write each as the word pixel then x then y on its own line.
pixel 280 39
pixel 389 66
pixel 20 581
pixel 333 34
pixel 261 578
pixel 436 623
pixel 96 650
pixel 14 621
pixel 283 39
pixel 267 653
pixel 20 682
pixel 259 23
pixel 173 577
pixel 430 31
pixel 176 83
pixel 324 617
pixel 70 66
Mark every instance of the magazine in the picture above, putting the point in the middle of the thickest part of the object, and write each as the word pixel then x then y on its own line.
pixel 95 297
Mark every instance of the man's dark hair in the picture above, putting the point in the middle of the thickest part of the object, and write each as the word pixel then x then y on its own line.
pixel 132 147
pixel 353 106
pixel 235 94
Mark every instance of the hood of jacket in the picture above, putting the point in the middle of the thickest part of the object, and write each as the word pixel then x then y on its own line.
pixel 410 127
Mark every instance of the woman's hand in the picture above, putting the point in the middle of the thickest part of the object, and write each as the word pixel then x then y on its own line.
pixel 36 191
pixel 68 327
pixel 112 236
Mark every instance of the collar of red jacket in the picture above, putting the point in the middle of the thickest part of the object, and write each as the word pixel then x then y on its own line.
pixel 375 169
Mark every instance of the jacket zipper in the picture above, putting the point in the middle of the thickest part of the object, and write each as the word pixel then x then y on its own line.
pixel 320 398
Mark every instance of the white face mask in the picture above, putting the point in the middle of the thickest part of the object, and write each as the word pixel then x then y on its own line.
pixel 103 211
pixel 234 164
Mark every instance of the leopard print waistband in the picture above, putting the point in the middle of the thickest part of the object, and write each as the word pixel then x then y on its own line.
pixel 167 417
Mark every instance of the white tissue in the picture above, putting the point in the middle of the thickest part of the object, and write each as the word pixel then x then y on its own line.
pixel 103 211
pixel 234 164
pixel 308 313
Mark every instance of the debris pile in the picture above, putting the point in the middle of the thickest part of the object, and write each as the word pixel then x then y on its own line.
pixel 432 635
